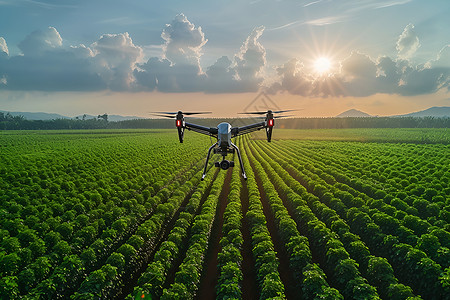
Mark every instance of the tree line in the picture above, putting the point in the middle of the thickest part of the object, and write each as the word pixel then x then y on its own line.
pixel 9 122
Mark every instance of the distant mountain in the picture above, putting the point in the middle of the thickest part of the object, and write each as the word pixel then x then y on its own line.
pixel 50 116
pixel 353 113
pixel 116 118
pixel 35 115
pixel 443 111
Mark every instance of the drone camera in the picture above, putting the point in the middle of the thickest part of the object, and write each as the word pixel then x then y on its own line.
pixel 224 164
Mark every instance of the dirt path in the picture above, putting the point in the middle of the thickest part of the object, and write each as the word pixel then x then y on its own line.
pixel 208 282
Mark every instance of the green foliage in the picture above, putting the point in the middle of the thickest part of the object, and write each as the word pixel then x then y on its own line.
pixel 9 288
pixel 80 212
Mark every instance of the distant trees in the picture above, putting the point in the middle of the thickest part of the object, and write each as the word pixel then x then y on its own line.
pixel 103 117
pixel 9 122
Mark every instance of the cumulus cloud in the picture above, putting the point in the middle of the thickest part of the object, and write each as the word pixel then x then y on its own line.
pixel 358 66
pixel 179 69
pixel 3 46
pixel 4 53
pixel 244 73
pixel 111 63
pixel 183 41
pixel 251 58
pixel 116 56
pixel 162 75
pixel 293 78
pixel 41 41
pixel 47 66
pixel 407 43
pixel 221 76
pixel 360 75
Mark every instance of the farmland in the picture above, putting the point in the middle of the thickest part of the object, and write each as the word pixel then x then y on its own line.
pixel 324 214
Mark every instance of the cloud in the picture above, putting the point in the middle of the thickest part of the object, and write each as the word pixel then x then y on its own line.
pixel 183 41
pixel 251 58
pixel 443 58
pixel 3 46
pixel 112 63
pixel 57 71
pixel 162 75
pixel 39 42
pixel 293 78
pixel 424 81
pixel 391 3
pixel 179 69
pixel 407 43
pixel 362 76
pixel 47 66
pixel 326 21
pixel 358 66
pixel 115 55
pixel 221 76
pixel 4 53
pixel 244 73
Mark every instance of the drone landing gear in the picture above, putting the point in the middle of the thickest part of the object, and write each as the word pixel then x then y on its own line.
pixel 207 160
pixel 240 160
pixel 224 164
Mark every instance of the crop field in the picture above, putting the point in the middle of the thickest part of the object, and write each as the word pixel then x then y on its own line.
pixel 324 214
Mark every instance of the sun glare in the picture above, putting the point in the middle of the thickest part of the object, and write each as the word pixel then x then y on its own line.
pixel 322 65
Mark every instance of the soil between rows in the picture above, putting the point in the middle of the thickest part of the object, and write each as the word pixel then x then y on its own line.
pixel 250 288
pixel 209 279
pixel 283 269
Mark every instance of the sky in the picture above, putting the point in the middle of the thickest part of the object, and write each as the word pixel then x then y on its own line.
pixel 133 57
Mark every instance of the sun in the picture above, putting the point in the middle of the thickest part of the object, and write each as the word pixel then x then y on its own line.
pixel 322 65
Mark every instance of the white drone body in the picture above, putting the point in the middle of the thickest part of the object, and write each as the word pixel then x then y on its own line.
pixel 224 132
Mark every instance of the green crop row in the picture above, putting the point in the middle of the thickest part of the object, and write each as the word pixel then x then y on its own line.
pixel 418 186
pixel 266 261
pixel 130 255
pixel 417 271
pixel 297 246
pixel 65 200
pixel 377 270
pixel 229 257
pixel 342 269
pixel 188 276
pixel 152 281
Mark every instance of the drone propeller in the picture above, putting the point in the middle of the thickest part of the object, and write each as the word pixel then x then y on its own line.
pixel 165 116
pixel 197 113
pixel 265 112
pixel 279 117
pixel 184 113
pixel 275 117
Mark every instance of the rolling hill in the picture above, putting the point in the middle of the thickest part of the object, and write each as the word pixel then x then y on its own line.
pixel 353 113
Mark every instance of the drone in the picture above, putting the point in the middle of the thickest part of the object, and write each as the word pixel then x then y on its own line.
pixel 224 132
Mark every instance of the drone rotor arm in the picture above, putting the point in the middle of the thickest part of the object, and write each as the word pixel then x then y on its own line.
pixel 201 129
pixel 237 131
